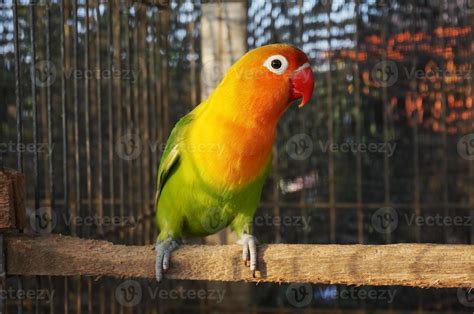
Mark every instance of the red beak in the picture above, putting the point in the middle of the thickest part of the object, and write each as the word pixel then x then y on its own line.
pixel 302 84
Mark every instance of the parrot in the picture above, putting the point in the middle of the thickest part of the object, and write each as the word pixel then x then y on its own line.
pixel 218 156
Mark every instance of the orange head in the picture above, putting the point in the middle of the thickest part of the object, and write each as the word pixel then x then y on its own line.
pixel 261 85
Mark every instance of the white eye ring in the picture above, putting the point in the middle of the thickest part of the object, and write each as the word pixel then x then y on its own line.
pixel 276 64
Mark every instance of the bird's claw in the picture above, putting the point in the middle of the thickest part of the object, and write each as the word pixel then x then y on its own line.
pixel 249 251
pixel 163 253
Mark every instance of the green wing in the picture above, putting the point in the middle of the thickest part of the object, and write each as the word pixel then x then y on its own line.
pixel 171 154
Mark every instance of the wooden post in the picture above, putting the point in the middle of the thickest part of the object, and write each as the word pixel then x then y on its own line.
pixel 12 200
pixel 223 41
pixel 2 260
pixel 12 215
pixel 2 272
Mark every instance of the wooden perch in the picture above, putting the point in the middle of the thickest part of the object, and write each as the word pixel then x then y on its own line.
pixel 12 195
pixel 420 265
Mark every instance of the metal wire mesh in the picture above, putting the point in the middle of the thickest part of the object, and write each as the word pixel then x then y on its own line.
pixel 94 88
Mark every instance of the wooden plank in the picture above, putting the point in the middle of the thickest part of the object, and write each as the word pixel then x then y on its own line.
pixel 19 196
pixel 12 196
pixel 417 265
pixel 7 203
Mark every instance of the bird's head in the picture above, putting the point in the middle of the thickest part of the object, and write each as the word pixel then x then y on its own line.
pixel 265 81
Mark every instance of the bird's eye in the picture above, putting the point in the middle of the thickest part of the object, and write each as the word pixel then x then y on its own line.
pixel 276 64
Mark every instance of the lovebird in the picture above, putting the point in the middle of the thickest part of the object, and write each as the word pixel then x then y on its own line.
pixel 217 157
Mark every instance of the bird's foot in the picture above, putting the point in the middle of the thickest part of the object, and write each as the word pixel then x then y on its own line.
pixel 163 253
pixel 249 251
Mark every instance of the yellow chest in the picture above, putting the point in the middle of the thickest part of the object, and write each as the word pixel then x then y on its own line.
pixel 229 154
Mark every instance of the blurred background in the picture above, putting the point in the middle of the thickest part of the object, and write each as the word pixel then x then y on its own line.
pixel 91 89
